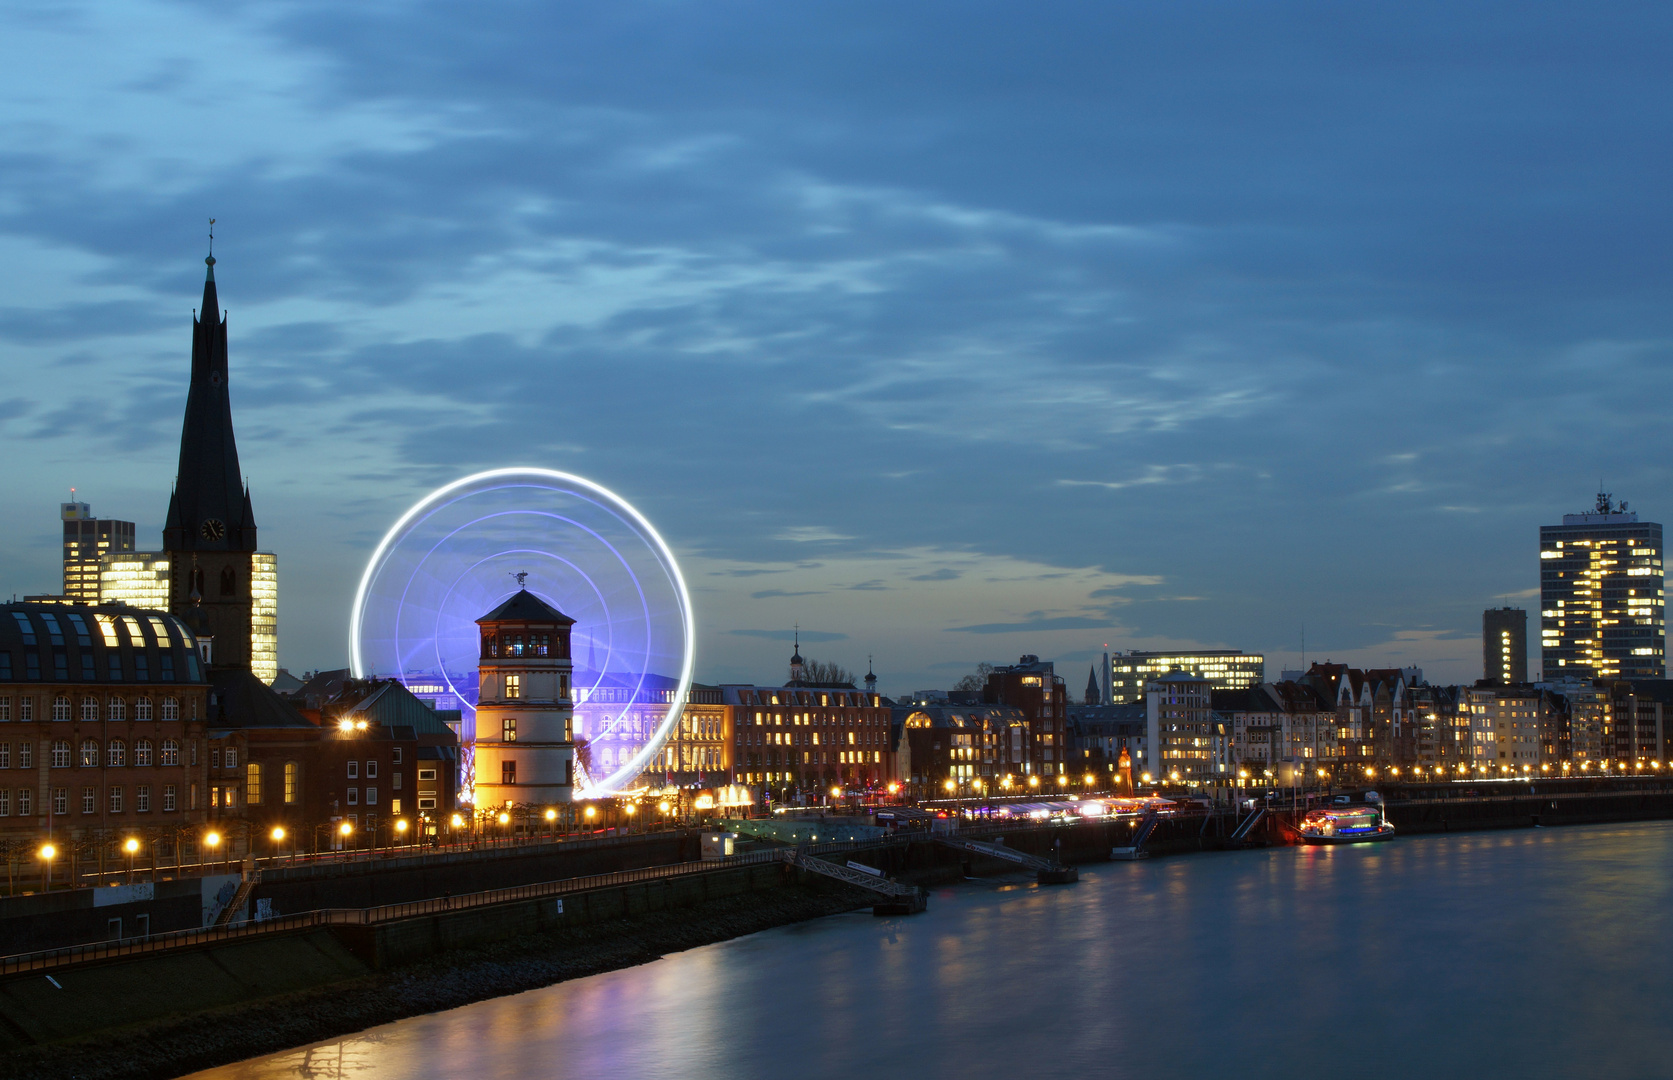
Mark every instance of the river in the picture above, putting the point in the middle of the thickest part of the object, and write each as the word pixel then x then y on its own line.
pixel 1533 953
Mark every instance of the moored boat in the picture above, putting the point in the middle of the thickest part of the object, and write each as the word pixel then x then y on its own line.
pixel 1345 825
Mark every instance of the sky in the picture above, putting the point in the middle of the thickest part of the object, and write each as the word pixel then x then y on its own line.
pixel 949 332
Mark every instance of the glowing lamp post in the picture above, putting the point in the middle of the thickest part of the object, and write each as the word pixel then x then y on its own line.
pixel 47 854
pixel 401 829
pixel 130 846
pixel 344 831
pixel 278 837
pixel 211 840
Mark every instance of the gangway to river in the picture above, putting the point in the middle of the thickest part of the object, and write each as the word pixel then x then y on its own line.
pixel 1046 871
pixel 1135 850
pixel 898 898
pixel 1240 835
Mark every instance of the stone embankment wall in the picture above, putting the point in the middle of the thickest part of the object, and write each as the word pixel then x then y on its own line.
pixel 81 916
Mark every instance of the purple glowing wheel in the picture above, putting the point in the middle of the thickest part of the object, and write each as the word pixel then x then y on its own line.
pixel 451 559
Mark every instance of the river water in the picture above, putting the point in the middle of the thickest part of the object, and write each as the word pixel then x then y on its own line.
pixel 1534 953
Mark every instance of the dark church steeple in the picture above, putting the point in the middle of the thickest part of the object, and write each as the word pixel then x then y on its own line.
pixel 210 508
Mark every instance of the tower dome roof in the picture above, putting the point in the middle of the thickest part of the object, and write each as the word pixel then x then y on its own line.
pixel 525 606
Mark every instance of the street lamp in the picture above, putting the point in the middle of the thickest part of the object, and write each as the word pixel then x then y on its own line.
pixel 47 854
pixel 401 828
pixel 211 839
pixel 277 836
pixel 130 845
pixel 345 830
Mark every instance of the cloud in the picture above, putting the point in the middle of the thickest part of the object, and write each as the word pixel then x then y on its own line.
pixel 816 636
pixel 1108 318
pixel 765 594
pixel 1037 624
pixel 943 574
pixel 807 534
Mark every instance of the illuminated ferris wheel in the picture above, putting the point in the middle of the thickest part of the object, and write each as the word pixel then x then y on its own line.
pixel 583 549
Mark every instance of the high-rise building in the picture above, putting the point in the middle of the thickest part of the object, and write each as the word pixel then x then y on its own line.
pixel 88 539
pixel 1228 669
pixel 136 578
pixel 1504 644
pixel 210 533
pixel 1602 603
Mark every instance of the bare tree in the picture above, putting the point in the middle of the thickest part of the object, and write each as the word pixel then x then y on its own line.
pixel 819 673
pixel 977 680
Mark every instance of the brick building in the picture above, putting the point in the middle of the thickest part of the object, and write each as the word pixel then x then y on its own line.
pixel 102 723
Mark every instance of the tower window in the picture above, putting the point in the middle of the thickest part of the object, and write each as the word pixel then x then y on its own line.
pixel 513 686
pixel 508 729
pixel 508 772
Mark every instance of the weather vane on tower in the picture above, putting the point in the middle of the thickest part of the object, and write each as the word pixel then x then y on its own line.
pixel 521 576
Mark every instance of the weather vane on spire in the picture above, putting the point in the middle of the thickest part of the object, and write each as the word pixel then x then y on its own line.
pixel 211 259
pixel 521 576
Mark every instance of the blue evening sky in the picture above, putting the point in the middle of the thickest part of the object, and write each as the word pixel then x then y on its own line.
pixel 949 331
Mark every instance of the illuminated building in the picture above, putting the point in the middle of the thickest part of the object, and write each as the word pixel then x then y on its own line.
pixel 209 536
pixel 87 540
pixel 1179 736
pixel 1032 685
pixel 524 743
pixel 786 737
pixel 1228 669
pixel 964 744
pixel 102 721
pixel 1504 645
pixel 137 578
pixel 1602 603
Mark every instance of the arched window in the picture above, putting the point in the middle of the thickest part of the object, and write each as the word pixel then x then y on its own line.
pixel 89 708
pixel 171 708
pixel 60 708
pixel 142 709
pixel 252 783
pixel 171 752
pixel 118 709
pixel 290 781
pixel 142 752
pixel 116 753
pixel 89 753
pixel 61 754
pixel 229 583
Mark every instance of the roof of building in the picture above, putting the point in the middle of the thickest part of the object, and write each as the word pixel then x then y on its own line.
pixel 525 606
pixel 388 702
pixel 240 700
pixel 77 642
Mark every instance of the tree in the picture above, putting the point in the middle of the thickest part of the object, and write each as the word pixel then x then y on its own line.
pixel 977 680
pixel 819 673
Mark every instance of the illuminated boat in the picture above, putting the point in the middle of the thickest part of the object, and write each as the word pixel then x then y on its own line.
pixel 1345 825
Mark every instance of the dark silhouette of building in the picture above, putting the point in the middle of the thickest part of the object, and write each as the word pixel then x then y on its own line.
pixel 210 532
pixel 1504 645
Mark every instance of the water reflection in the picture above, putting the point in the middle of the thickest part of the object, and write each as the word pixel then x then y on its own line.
pixel 1539 952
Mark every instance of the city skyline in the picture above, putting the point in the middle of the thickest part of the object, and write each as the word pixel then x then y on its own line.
pixel 932 406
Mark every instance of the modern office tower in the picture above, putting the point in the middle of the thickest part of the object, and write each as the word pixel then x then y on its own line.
pixel 1228 669
pixel 523 748
pixel 215 572
pixel 87 539
pixel 1601 606
pixel 1504 644
pixel 137 578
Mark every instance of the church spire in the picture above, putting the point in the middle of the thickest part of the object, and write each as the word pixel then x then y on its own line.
pixel 210 508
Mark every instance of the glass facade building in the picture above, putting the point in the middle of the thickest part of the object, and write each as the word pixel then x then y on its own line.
pixel 136 578
pixel 1602 597
pixel 87 540
pixel 1228 669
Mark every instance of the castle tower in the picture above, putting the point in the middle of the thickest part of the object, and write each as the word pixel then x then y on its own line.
pixel 210 533
pixel 525 742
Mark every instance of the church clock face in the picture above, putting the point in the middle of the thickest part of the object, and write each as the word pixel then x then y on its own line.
pixel 213 529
